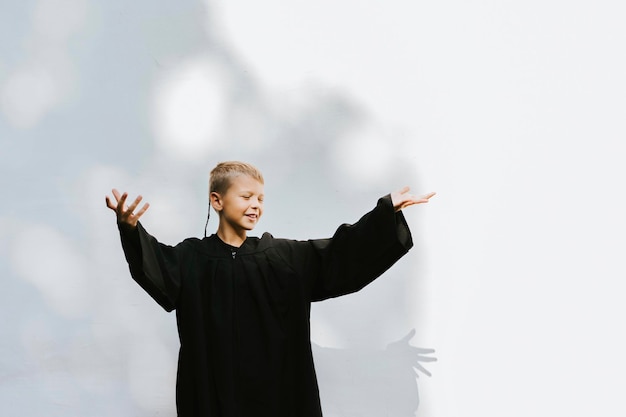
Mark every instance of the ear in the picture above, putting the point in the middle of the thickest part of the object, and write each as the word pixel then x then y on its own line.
pixel 216 201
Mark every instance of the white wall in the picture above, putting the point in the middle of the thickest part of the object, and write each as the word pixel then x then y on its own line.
pixel 511 111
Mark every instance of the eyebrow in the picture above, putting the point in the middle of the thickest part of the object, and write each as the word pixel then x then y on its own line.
pixel 251 192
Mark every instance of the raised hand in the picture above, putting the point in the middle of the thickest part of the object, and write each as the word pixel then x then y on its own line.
pixel 126 215
pixel 402 198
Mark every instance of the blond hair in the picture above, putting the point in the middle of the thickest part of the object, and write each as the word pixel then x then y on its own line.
pixel 224 172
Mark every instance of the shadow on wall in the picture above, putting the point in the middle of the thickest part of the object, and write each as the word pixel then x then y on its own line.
pixel 371 383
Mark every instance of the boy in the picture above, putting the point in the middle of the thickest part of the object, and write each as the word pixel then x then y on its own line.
pixel 243 303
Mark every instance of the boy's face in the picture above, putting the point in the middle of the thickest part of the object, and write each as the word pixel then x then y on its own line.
pixel 242 204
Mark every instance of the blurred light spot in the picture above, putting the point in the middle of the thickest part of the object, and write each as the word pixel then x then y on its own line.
pixel 189 106
pixel 45 258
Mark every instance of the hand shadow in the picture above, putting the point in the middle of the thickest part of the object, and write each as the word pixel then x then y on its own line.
pixel 371 383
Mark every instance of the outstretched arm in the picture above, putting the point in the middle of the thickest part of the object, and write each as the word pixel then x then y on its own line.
pixel 357 253
pixel 126 215
pixel 402 198
pixel 153 265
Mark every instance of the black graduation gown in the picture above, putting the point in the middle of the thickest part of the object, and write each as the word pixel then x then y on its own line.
pixel 243 316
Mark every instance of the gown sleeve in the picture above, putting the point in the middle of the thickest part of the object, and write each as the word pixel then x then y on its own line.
pixel 153 265
pixel 356 255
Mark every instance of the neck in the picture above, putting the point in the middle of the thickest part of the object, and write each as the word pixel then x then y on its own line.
pixel 231 237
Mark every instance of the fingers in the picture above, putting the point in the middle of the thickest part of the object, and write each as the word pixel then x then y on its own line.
pixel 121 201
pixel 134 204
pixel 142 211
pixel 419 200
pixel 402 199
pixel 110 204
pixel 423 199
pixel 126 214
pixel 116 194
